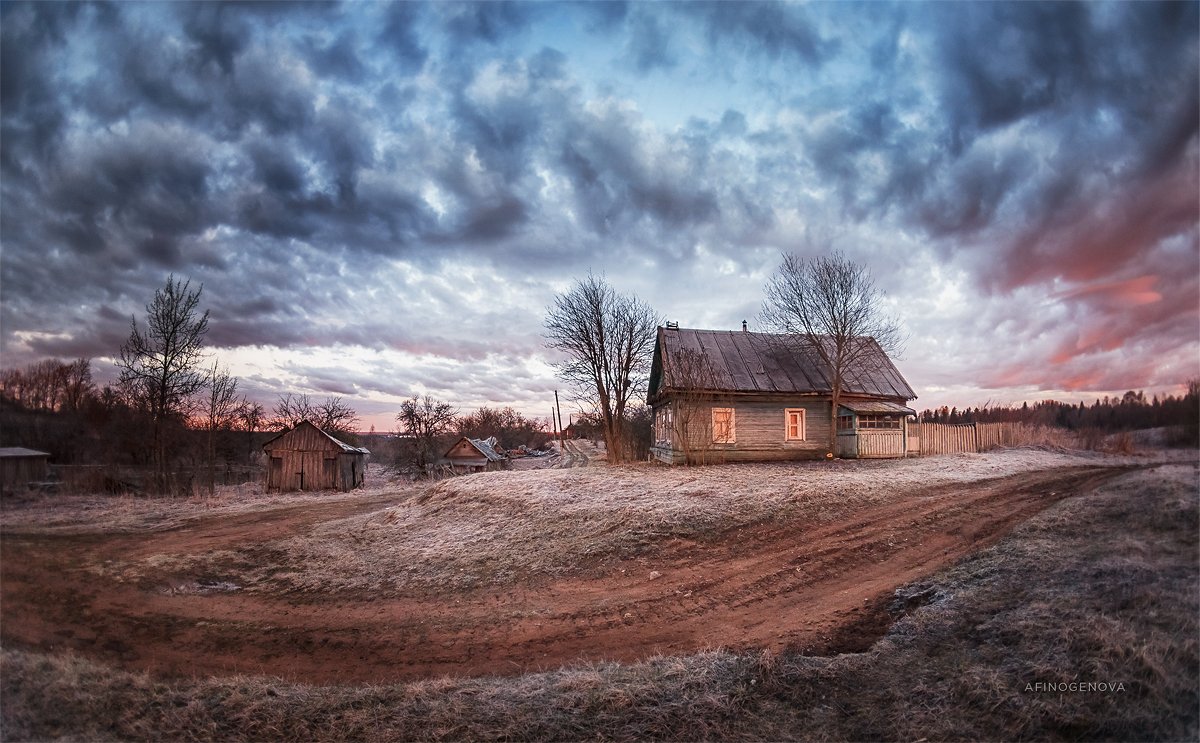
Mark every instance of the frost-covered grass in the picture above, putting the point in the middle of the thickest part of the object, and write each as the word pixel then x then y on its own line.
pixel 1096 590
pixel 499 528
pixel 74 513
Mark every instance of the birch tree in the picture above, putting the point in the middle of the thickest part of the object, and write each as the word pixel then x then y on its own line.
pixel 831 306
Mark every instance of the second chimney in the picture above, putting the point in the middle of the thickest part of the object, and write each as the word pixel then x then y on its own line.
pixel 744 327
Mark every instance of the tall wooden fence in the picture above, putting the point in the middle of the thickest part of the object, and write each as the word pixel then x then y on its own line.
pixel 945 438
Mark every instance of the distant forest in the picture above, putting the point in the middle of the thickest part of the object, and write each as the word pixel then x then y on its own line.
pixel 1130 412
pixel 55 406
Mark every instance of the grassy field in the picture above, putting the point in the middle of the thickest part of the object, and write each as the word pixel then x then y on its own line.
pixel 1082 624
pixel 496 529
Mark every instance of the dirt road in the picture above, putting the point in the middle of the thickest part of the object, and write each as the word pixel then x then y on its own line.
pixel 773 585
pixel 573 456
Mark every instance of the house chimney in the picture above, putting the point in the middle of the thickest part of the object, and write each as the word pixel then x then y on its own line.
pixel 744 327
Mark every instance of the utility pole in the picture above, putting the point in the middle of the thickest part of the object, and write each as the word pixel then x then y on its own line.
pixel 561 433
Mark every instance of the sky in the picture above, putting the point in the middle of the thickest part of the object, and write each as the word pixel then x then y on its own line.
pixel 382 200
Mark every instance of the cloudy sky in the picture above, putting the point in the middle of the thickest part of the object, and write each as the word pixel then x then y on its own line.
pixel 382 199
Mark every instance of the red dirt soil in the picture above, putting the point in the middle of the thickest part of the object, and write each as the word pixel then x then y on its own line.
pixel 817 589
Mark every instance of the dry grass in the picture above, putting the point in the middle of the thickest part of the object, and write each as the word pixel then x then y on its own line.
pixel 1096 589
pixel 499 528
pixel 67 513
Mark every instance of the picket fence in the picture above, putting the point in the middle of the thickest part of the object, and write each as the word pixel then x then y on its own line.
pixel 946 438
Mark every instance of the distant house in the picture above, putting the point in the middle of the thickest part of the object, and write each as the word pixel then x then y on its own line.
pixel 20 466
pixel 763 396
pixel 475 455
pixel 307 458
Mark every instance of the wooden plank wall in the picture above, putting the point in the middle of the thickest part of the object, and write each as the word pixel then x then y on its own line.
pixel 945 438
pixel 880 444
pixel 762 425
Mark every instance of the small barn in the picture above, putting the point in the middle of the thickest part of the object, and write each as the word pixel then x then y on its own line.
pixel 475 455
pixel 20 466
pixel 307 458
pixel 728 396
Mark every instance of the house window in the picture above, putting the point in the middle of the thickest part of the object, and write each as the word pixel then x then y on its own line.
pixel 723 426
pixel 793 424
pixel 845 423
pixel 879 421
pixel 662 426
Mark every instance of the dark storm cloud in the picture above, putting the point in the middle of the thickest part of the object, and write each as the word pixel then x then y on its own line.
pixel 772 29
pixel 485 21
pixel 649 44
pixel 294 157
pixel 398 35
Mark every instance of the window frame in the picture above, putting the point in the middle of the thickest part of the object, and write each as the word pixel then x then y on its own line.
pixel 731 436
pixel 801 425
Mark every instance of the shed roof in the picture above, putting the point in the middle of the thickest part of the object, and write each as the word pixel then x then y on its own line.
pixel 877 406
pixel 335 441
pixel 20 451
pixel 772 363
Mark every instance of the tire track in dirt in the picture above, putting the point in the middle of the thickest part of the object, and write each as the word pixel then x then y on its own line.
pixel 818 587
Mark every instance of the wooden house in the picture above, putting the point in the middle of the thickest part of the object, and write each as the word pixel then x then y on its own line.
pixel 475 455
pixel 20 466
pixel 729 396
pixel 307 458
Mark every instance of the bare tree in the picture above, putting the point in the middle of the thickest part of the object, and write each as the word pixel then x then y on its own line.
pixel 291 410
pixel 425 420
pixel 160 366
pixel 693 379
pixel 831 307
pixel 78 386
pixel 608 339
pixel 332 415
pixel 221 412
pixel 335 416
pixel 251 416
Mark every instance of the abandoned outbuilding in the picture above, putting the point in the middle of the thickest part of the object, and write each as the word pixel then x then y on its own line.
pixel 20 466
pixel 306 458
pixel 740 396
pixel 475 455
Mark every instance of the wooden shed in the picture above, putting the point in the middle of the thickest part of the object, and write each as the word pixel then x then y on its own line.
pixel 729 396
pixel 307 458
pixel 20 466
pixel 475 455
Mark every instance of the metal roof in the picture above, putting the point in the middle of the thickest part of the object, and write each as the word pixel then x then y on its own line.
pixel 877 406
pixel 772 363
pixel 486 447
pixel 20 451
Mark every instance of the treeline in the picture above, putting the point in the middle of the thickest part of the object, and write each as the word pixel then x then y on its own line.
pixel 56 406
pixel 1132 411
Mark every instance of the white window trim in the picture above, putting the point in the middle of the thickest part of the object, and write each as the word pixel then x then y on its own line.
pixel 732 437
pixel 787 424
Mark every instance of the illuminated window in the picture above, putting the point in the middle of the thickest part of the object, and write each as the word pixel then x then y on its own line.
pixel 794 424
pixel 723 426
